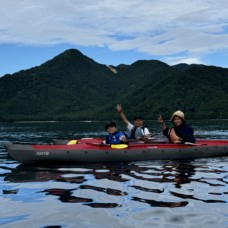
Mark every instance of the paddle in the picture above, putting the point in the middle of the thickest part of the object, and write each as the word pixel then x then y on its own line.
pixel 119 146
pixel 123 146
pixel 195 144
pixel 113 146
pixel 72 142
pixel 155 139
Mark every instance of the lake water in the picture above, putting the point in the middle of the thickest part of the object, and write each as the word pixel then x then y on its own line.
pixel 191 193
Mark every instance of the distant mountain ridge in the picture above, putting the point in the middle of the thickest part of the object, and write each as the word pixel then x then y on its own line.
pixel 72 86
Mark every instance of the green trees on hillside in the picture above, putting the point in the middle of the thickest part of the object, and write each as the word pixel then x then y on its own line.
pixel 74 87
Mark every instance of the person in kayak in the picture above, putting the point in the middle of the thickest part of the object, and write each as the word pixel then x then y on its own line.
pixel 136 130
pixel 114 136
pixel 180 132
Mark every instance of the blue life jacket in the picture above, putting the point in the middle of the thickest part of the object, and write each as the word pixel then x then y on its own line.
pixel 114 138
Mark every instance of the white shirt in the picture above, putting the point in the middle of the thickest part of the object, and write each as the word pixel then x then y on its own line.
pixel 143 132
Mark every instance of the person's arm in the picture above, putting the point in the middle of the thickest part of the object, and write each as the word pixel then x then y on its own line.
pixel 106 141
pixel 161 121
pixel 188 135
pixel 123 138
pixel 146 133
pixel 165 130
pixel 122 115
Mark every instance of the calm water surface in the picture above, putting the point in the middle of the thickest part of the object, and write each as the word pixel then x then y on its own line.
pixel 191 193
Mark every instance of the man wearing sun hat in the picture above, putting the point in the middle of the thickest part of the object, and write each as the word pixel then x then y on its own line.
pixel 136 130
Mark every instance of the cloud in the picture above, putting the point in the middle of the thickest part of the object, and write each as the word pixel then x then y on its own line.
pixel 157 28
pixel 174 61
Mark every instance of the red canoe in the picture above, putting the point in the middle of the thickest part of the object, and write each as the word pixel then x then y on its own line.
pixel 90 150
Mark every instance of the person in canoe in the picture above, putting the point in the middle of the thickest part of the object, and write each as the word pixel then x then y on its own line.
pixel 180 132
pixel 136 130
pixel 114 136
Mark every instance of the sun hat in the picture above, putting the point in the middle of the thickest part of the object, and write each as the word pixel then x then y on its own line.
pixel 179 114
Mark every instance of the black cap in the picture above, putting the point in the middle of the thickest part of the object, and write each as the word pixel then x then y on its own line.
pixel 138 118
pixel 110 124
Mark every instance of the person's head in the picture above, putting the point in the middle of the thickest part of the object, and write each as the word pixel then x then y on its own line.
pixel 138 121
pixel 110 127
pixel 178 118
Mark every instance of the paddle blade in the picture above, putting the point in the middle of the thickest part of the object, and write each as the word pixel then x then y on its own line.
pixel 72 142
pixel 195 144
pixel 119 146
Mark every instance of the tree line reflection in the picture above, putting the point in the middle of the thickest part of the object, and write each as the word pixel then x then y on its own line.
pixel 176 174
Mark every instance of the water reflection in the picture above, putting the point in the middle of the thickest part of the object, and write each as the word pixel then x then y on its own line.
pixel 133 180
pixel 140 194
pixel 177 173
pixel 184 172
pixel 183 196
pixel 155 203
pixel 66 195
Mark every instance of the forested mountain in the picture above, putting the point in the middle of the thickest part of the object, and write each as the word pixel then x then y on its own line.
pixel 72 86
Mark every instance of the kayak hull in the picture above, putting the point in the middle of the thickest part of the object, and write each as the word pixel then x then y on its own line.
pixel 91 151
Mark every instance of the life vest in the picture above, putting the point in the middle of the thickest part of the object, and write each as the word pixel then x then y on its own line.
pixel 140 132
pixel 173 136
pixel 114 138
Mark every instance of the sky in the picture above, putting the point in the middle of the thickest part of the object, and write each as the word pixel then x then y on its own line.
pixel 113 32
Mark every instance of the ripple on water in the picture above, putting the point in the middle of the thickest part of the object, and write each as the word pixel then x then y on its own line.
pixel 190 193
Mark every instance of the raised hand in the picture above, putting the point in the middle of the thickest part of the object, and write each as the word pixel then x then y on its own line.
pixel 160 119
pixel 119 108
